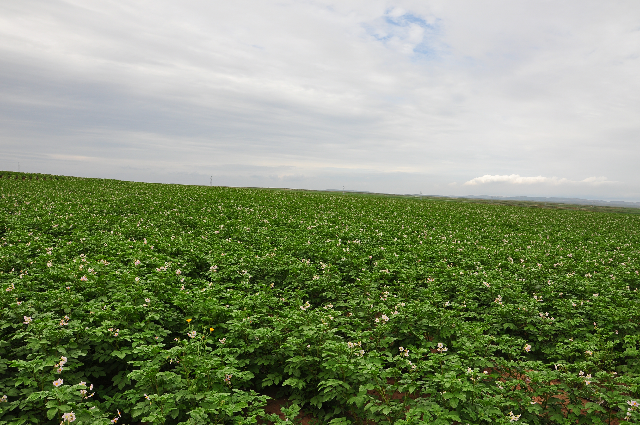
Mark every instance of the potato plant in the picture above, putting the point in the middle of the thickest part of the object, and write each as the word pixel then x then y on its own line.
pixel 128 302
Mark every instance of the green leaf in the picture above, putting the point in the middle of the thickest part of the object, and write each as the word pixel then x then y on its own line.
pixel 51 413
pixel 295 383
pixel 340 421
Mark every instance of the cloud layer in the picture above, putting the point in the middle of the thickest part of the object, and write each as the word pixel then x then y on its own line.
pixel 388 96
pixel 516 179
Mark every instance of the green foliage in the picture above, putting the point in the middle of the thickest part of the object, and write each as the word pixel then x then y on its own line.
pixel 168 304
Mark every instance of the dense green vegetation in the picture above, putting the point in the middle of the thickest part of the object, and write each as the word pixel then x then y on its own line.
pixel 135 302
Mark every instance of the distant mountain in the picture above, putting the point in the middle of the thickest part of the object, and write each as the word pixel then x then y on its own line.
pixel 347 190
pixel 555 200
pixel 573 201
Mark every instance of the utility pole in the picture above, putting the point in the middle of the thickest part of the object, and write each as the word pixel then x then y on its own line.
pixel 211 181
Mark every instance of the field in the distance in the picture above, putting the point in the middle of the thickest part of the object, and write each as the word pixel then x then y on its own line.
pixel 186 304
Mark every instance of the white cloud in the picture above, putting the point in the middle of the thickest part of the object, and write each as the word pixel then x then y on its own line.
pixel 517 179
pixel 73 157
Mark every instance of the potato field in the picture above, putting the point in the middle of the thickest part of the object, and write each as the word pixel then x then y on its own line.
pixel 135 303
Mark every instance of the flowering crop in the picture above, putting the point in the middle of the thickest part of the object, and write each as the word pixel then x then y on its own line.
pixel 190 304
pixel 68 417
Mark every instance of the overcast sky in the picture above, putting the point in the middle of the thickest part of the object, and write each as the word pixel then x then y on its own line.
pixel 534 98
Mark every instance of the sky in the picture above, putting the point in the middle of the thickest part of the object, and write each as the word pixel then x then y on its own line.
pixel 506 98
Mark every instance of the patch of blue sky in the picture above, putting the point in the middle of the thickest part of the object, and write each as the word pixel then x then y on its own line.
pixel 426 51
pixel 379 37
pixel 406 20
pixel 392 27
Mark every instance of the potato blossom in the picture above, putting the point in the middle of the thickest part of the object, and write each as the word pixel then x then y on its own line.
pixel 69 417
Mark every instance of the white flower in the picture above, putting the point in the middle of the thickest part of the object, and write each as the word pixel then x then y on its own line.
pixel 527 347
pixel 27 320
pixel 69 417
pixel 57 382
pixel 3 399
pixel 191 334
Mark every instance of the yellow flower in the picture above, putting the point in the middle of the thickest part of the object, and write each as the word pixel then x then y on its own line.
pixel 210 329
pixel 188 320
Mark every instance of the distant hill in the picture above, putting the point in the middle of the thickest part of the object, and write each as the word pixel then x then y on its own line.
pixel 572 201
pixel 531 199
